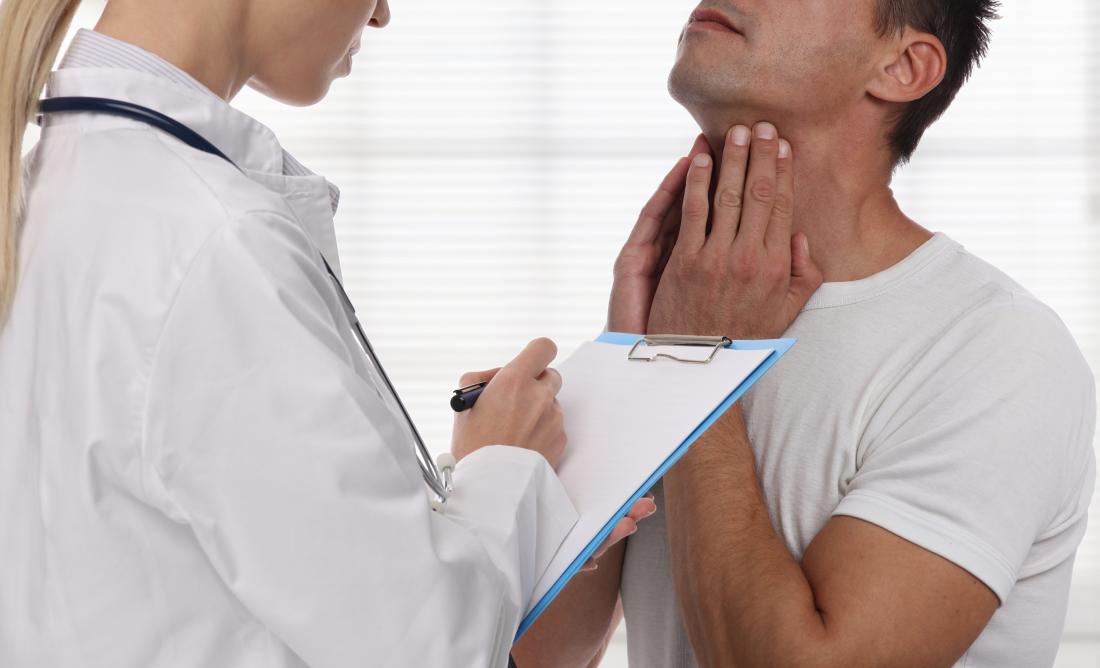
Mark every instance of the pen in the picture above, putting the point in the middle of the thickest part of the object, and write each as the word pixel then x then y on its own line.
pixel 465 397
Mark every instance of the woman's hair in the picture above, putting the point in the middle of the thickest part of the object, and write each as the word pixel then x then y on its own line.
pixel 31 32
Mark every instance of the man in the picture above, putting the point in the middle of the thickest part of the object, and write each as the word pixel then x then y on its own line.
pixel 910 485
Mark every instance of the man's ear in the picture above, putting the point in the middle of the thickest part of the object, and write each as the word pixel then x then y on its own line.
pixel 916 63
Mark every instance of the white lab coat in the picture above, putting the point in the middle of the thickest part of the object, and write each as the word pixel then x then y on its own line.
pixel 197 466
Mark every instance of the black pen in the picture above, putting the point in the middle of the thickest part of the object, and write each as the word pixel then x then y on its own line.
pixel 465 397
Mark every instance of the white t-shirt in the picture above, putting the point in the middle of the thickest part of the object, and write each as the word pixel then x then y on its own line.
pixel 940 401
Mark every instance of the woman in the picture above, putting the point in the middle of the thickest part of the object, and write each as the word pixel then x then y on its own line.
pixel 200 466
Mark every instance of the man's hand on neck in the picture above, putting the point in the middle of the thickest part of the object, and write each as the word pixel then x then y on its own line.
pixel 843 201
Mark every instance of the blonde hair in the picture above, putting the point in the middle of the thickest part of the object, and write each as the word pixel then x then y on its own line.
pixel 31 32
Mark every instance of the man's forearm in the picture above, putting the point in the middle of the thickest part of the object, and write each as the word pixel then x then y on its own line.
pixel 745 600
pixel 573 630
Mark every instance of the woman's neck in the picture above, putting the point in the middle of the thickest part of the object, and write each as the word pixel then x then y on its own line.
pixel 205 39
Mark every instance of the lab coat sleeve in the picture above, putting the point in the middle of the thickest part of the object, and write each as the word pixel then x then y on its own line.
pixel 263 435
pixel 495 490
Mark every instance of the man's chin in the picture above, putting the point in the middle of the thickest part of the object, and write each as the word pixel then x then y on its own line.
pixel 697 88
pixel 718 103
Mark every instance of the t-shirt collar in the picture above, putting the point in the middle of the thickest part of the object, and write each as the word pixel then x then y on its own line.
pixel 831 295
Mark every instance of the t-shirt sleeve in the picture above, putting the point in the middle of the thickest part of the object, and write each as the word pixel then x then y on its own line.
pixel 981 452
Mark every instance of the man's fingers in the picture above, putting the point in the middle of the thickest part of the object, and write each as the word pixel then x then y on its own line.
pixel 656 210
pixel 700 146
pixel 760 186
pixel 778 237
pixel 729 195
pixel 535 357
pixel 695 203
pixel 696 206
pixel 670 228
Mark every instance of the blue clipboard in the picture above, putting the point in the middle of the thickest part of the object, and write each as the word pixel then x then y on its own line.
pixel 780 347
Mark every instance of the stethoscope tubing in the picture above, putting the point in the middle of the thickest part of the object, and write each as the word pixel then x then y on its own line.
pixel 136 112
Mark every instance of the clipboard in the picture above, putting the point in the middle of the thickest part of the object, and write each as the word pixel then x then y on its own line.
pixel 655 353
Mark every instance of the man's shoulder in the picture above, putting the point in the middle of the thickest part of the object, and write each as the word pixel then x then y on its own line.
pixel 971 280
pixel 994 310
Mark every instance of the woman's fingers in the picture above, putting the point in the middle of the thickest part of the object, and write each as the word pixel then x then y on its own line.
pixel 548 435
pixel 642 508
pixel 729 195
pixel 552 379
pixel 475 377
pixel 623 529
pixel 760 186
pixel 534 359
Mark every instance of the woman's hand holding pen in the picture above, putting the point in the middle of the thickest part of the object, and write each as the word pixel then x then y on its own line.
pixel 736 269
pixel 518 407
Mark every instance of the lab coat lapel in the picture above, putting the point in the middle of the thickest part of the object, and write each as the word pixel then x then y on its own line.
pixel 310 200
pixel 245 141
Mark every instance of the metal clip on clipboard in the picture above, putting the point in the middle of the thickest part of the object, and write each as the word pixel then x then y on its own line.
pixel 715 343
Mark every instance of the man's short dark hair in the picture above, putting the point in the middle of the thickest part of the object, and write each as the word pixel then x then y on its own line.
pixel 963 27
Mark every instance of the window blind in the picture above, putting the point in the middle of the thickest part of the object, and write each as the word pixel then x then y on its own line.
pixel 493 156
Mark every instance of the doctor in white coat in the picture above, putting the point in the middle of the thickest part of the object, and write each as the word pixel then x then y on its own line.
pixel 198 464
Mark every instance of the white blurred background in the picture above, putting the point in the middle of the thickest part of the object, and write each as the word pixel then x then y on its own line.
pixel 493 155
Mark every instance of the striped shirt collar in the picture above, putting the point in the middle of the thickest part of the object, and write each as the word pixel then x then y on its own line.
pixel 90 49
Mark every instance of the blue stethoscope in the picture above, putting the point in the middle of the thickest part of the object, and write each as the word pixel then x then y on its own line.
pixel 439 478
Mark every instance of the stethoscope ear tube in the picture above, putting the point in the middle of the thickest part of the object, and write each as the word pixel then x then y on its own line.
pixel 102 105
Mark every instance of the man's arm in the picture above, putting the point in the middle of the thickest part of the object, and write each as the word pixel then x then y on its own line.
pixel 747 602
pixel 862 596
pixel 573 631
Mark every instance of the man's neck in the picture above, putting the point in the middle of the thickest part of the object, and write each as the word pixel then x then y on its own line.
pixel 843 201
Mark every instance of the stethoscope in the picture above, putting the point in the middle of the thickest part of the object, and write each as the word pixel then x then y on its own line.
pixel 439 478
